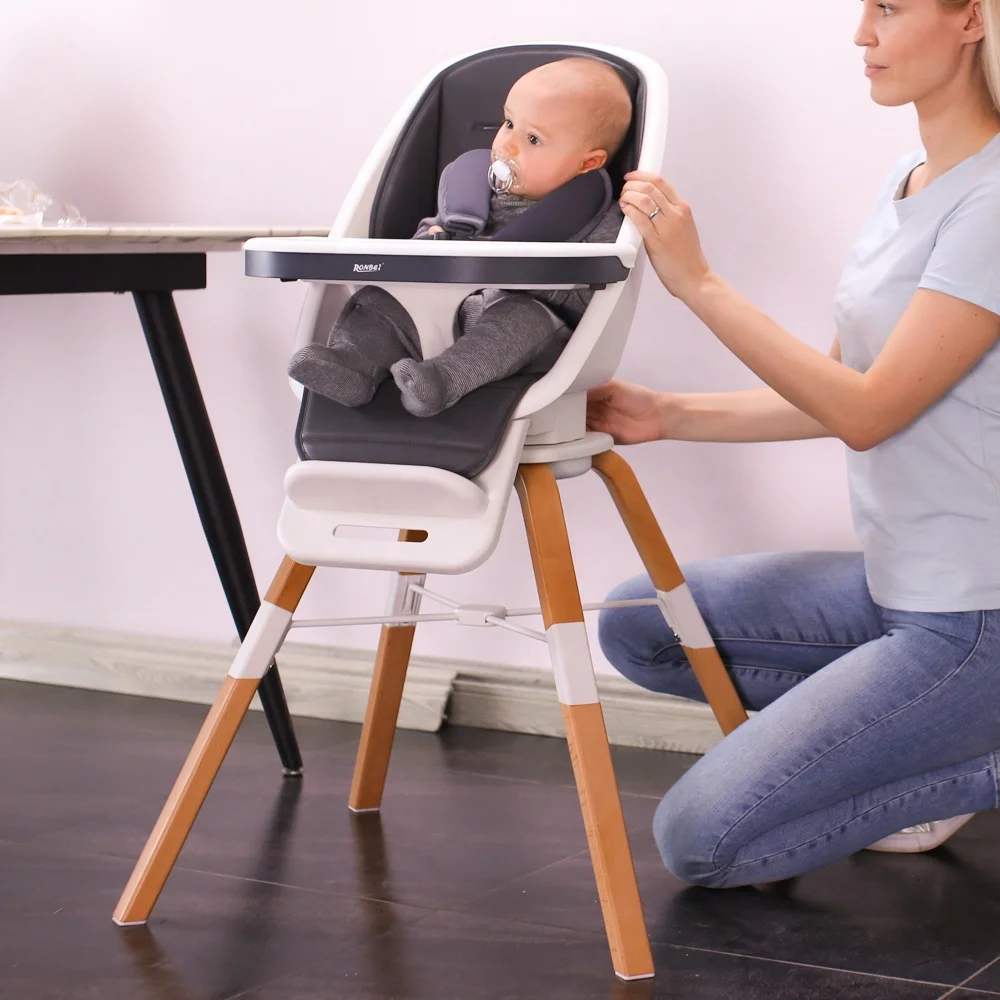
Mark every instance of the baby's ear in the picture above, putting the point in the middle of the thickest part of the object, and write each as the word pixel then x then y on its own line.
pixel 594 160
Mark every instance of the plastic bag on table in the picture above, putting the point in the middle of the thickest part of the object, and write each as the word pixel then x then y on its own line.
pixel 22 203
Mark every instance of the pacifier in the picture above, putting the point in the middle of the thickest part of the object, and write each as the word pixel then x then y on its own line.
pixel 504 174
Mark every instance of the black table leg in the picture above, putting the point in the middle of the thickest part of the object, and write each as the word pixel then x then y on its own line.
pixel 212 495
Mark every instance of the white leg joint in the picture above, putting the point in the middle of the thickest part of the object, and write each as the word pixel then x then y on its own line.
pixel 572 665
pixel 402 600
pixel 264 639
pixel 682 615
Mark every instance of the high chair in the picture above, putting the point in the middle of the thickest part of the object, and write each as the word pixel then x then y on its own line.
pixel 439 487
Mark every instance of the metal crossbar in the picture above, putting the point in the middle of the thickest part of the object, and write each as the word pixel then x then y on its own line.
pixel 416 588
pixel 460 611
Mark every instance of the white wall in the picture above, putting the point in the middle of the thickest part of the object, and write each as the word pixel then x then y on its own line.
pixel 261 113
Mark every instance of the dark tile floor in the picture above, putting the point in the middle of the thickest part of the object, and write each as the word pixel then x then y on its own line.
pixel 474 883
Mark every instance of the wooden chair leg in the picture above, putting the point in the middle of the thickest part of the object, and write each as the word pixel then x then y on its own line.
pixel 678 605
pixel 585 729
pixel 217 733
pixel 384 699
pixel 379 729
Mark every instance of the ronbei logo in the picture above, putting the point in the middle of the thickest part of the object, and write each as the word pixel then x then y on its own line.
pixel 367 268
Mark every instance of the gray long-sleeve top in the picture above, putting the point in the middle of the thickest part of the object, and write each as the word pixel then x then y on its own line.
pixel 568 304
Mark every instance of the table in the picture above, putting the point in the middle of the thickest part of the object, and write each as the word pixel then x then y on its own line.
pixel 151 263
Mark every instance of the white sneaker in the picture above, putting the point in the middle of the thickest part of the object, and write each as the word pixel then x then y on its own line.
pixel 922 837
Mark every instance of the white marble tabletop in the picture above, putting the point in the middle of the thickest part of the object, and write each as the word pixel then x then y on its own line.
pixel 18 239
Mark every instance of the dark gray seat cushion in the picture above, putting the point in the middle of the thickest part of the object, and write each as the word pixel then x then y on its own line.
pixel 463 439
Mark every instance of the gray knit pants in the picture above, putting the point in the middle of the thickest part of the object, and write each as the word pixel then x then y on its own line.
pixel 374 337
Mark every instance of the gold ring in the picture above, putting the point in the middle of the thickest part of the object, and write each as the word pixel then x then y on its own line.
pixel 654 213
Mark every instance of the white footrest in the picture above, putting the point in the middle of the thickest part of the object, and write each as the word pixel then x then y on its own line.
pixel 383 490
pixel 350 514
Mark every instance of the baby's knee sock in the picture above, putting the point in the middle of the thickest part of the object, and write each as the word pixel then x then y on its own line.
pixel 372 333
pixel 510 333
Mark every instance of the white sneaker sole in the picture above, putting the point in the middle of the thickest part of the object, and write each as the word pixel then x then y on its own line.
pixel 917 839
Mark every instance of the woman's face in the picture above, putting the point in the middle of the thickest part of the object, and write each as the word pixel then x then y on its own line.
pixel 916 48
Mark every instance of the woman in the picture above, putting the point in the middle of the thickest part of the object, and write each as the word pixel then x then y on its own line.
pixel 877 675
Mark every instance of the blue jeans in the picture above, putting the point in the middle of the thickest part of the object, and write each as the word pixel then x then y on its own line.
pixel 870 720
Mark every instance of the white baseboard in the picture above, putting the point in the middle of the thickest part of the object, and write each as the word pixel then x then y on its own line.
pixel 524 701
pixel 332 683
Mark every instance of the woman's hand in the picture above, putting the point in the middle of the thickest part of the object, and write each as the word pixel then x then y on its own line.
pixel 671 236
pixel 630 413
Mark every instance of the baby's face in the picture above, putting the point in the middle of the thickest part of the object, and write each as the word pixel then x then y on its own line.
pixel 548 135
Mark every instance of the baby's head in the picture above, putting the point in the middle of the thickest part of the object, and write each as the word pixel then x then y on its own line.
pixel 563 119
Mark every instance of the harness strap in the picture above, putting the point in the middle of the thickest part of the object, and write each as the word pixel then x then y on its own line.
pixel 567 215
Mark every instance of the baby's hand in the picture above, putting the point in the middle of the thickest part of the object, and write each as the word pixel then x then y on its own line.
pixel 434 229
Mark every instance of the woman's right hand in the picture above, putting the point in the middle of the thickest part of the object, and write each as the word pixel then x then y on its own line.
pixel 630 413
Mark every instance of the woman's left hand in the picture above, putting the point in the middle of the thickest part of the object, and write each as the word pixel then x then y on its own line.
pixel 667 226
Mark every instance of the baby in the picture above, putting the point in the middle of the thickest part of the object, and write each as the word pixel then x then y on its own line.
pixel 560 120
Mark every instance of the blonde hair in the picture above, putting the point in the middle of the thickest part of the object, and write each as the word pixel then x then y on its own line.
pixel 989 47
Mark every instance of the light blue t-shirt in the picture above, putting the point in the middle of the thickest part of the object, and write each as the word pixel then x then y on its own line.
pixel 926 503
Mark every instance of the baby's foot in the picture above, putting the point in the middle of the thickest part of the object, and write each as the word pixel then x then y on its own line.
pixel 343 376
pixel 422 387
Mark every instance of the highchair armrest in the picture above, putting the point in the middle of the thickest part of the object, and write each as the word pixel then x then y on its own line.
pixel 480 263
